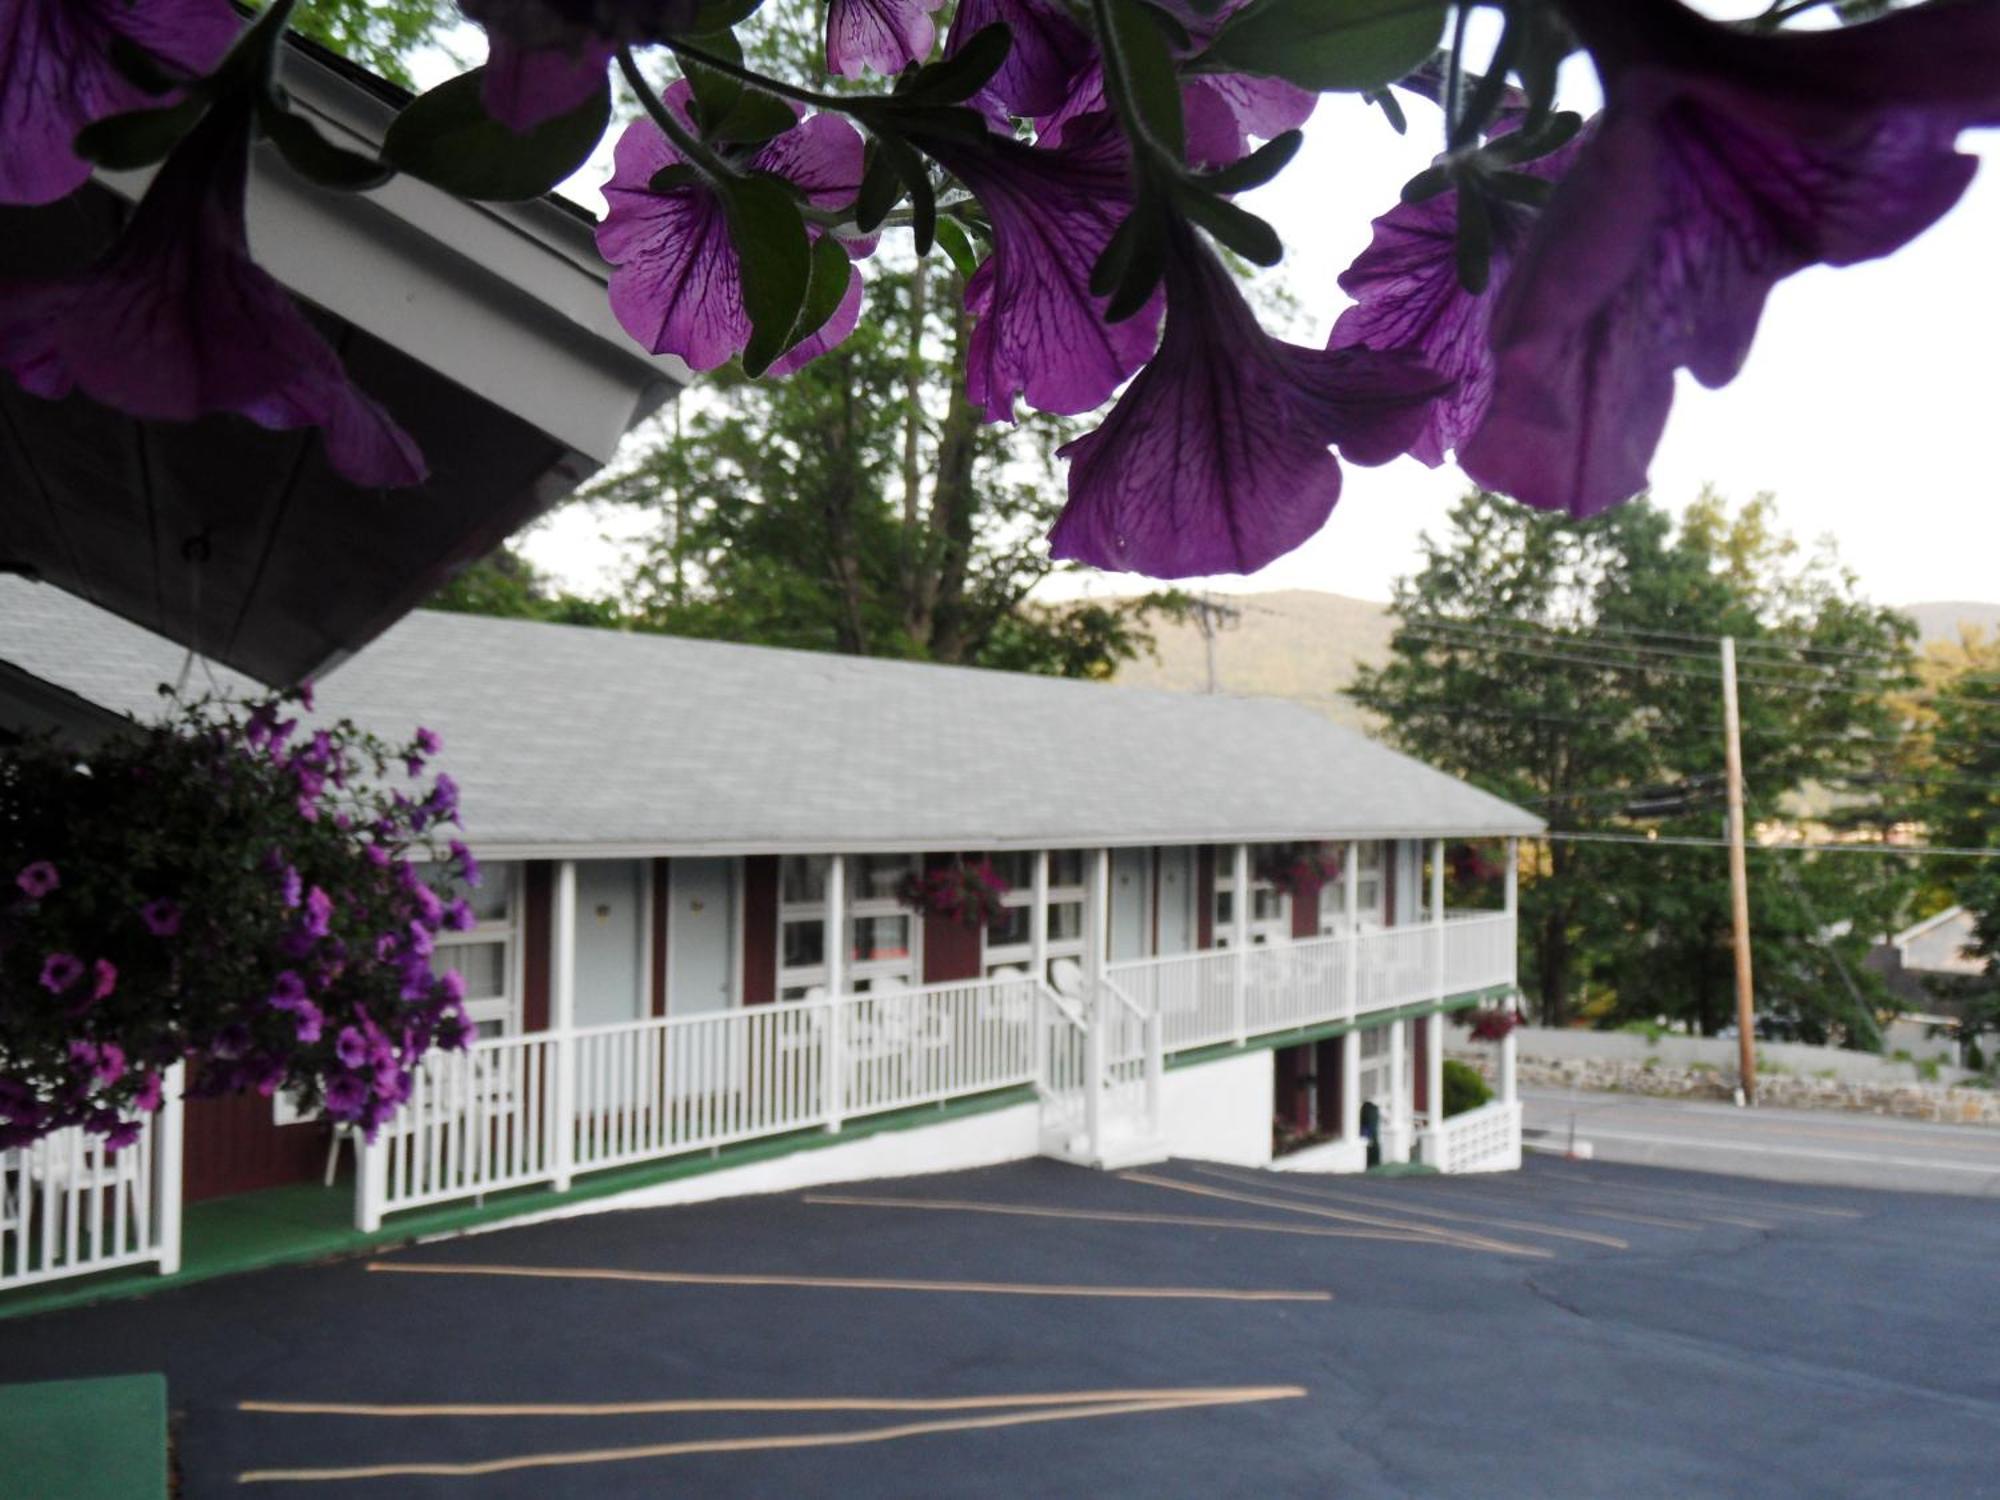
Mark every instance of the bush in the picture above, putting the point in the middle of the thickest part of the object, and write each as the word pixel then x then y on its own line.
pixel 1463 1088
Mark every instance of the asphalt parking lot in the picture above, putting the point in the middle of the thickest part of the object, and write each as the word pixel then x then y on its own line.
pixel 1040 1330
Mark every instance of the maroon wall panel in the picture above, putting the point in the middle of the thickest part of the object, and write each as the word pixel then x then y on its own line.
pixel 1305 910
pixel 1326 1063
pixel 1389 852
pixel 760 929
pixel 232 1146
pixel 1421 1089
pixel 537 908
pixel 951 949
pixel 1204 896
pixel 659 979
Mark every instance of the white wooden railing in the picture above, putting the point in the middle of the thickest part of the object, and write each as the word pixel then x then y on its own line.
pixel 511 1111
pixel 1486 1139
pixel 69 1206
pixel 1220 995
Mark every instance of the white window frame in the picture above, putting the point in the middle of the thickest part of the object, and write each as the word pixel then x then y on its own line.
pixel 994 956
pixel 505 1008
pixel 1263 930
pixel 1371 869
pixel 859 975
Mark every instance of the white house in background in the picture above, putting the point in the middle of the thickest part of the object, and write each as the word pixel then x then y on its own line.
pixel 1939 948
pixel 691 934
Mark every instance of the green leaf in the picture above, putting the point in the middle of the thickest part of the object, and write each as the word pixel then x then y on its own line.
pixel 674 176
pixel 1475 240
pixel 447 138
pixel 756 118
pixel 1259 167
pixel 965 72
pixel 1391 107
pixel 1428 183
pixel 769 233
pixel 825 286
pixel 1327 45
pixel 1139 36
pixel 141 137
pixel 317 159
pixel 713 16
pixel 898 163
pixel 1527 144
pixel 1238 228
pixel 1134 261
pixel 881 188
pixel 715 92
pixel 1519 187
pixel 140 68
pixel 956 244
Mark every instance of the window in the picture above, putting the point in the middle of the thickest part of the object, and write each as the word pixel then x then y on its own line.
pixel 1368 865
pixel 1270 908
pixel 1010 942
pixel 882 933
pixel 488 955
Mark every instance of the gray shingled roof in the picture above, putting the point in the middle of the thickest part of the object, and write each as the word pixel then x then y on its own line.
pixel 566 738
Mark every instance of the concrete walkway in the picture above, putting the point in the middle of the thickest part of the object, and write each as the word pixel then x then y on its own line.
pixel 1784 1145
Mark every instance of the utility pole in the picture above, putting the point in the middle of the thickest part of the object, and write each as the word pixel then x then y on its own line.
pixel 1739 877
pixel 1209 617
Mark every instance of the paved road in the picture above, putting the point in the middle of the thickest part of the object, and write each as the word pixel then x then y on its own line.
pixel 1786 1145
pixel 1572 1330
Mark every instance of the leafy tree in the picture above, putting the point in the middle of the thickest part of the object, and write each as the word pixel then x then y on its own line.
pixel 1961 808
pixel 1570 666
pixel 862 506
pixel 381 35
pixel 506 583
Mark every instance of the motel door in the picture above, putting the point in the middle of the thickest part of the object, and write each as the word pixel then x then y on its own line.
pixel 610 941
pixel 1131 903
pixel 1177 930
pixel 701 936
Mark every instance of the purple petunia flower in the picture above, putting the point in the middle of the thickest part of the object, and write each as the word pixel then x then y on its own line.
pixel 1049 50
pixel 1723 162
pixel 60 971
pixel 151 1093
pixel 1039 331
pixel 161 916
pixel 886 35
pixel 468 867
pixel 459 917
pixel 345 1095
pixel 38 880
pixel 546 57
pixel 1408 297
pixel 319 912
pixel 677 284
pixel 177 321
pixel 1215 459
pixel 430 910
pixel 231 1042
pixel 351 1047
pixel 56 76
pixel 291 889
pixel 105 979
pixel 120 1135
pixel 308 1021
pixel 288 991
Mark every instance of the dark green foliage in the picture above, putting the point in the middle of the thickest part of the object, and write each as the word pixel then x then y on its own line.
pixel 1562 665
pixel 1463 1088
pixel 381 35
pixel 505 583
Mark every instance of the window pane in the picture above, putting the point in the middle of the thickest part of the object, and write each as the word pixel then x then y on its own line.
pixel 877 938
pixel 1065 920
pixel 1016 867
pixel 484 966
pixel 1371 856
pixel 793 992
pixel 879 877
pixel 804 945
pixel 1066 867
pixel 1225 908
pixel 802 879
pixel 490 901
pixel 1267 906
pixel 1013 927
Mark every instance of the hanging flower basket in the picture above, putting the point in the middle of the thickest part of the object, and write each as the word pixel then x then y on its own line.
pixel 1470 866
pixel 966 893
pixel 223 890
pixel 1490 1023
pixel 1298 869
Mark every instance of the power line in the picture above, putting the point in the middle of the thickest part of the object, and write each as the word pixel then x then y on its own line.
pixel 1605 638
pixel 1690 841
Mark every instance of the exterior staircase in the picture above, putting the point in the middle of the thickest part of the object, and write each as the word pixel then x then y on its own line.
pixel 1100 1086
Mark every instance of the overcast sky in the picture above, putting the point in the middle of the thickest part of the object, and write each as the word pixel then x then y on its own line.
pixel 1864 407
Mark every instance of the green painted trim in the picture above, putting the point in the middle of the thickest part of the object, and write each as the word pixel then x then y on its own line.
pixel 1403 1169
pixel 305 1222
pixel 1272 1040
pixel 85 1439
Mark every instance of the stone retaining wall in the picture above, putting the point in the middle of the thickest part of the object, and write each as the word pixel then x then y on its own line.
pixel 1907 1101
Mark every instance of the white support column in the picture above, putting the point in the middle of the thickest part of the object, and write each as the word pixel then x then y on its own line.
pixel 1350 1045
pixel 835 938
pixel 562 1022
pixel 1239 938
pixel 1038 959
pixel 1096 936
pixel 167 1170
pixel 1434 1023
pixel 1396 1129
pixel 1509 1049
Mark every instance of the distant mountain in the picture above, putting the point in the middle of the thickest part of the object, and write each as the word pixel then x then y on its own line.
pixel 1292 643
pixel 1305 645
pixel 1942 622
